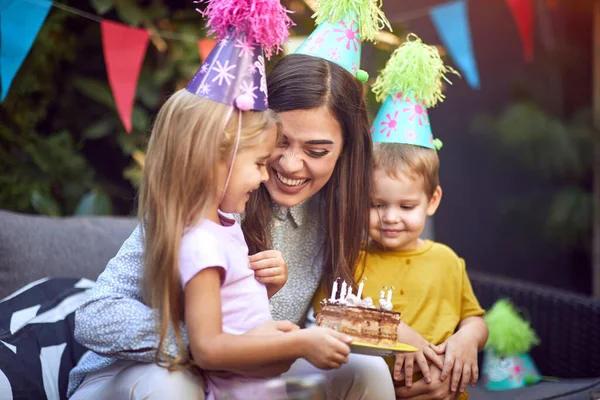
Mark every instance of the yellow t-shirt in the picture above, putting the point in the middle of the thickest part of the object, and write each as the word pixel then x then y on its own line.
pixel 431 287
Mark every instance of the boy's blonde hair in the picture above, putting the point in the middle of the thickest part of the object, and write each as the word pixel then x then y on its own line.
pixel 395 158
pixel 179 184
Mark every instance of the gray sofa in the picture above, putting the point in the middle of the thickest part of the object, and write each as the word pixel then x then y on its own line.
pixel 33 247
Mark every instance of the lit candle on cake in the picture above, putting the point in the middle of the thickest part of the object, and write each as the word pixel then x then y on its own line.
pixel 389 295
pixel 343 291
pixel 349 291
pixel 334 290
pixel 360 288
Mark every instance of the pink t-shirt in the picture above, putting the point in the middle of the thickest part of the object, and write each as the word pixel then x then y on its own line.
pixel 244 300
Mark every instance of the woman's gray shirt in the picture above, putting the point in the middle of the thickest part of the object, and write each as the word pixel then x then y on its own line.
pixel 115 323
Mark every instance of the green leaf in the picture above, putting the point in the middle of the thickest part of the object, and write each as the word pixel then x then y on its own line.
pixel 99 129
pixel 139 119
pixel 129 12
pixel 133 174
pixel 95 90
pixel 44 204
pixel 102 6
pixel 94 203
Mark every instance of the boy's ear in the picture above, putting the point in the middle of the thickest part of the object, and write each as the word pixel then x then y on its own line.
pixel 434 202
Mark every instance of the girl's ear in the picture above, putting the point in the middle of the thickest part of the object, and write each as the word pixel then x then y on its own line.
pixel 434 201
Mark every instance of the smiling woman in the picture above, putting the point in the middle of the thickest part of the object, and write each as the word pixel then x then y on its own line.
pixel 324 156
pixel 305 158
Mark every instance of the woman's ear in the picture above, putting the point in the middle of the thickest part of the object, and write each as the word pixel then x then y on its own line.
pixel 434 201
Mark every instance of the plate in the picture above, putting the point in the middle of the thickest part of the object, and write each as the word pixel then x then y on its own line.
pixel 378 350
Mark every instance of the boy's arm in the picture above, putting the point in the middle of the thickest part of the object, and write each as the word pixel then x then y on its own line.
pixel 476 329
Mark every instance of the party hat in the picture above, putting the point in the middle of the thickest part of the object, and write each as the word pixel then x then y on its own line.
pixel 234 71
pixel 506 362
pixel 410 83
pixel 341 27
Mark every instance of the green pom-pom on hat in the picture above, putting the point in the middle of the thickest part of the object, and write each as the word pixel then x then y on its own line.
pixel 369 15
pixel 414 69
pixel 509 333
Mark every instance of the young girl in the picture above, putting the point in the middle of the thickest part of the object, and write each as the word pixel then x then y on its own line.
pixel 196 260
pixel 197 268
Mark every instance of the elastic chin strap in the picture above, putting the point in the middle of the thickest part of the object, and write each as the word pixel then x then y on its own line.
pixel 235 150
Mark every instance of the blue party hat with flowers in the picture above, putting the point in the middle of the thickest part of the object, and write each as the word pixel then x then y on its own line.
pixel 410 83
pixel 342 25
pixel 234 72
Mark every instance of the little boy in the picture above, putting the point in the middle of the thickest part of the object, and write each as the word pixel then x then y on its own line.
pixel 430 284
pixel 440 313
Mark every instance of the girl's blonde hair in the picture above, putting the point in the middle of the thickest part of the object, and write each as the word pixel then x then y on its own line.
pixel 179 183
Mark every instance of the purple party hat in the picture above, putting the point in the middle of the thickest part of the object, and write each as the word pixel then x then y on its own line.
pixel 234 72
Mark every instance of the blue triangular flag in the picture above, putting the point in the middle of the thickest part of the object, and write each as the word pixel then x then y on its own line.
pixel 20 22
pixel 452 23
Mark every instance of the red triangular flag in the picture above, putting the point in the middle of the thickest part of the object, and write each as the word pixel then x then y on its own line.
pixel 124 50
pixel 205 46
pixel 523 14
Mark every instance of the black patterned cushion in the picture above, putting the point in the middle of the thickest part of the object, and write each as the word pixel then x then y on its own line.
pixel 37 348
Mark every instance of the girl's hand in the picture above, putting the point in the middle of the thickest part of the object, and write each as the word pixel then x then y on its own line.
pixel 325 348
pixel 460 359
pixel 270 269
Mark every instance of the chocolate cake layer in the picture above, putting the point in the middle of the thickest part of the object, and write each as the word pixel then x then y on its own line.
pixel 368 325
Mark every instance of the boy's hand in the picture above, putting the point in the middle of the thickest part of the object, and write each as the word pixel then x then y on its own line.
pixel 460 359
pixel 270 269
pixel 404 367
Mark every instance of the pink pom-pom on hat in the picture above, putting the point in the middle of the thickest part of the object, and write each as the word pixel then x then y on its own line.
pixel 263 22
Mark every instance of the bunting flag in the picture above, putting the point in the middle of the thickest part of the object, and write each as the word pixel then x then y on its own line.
pixel 124 51
pixel 451 21
pixel 523 14
pixel 20 22
pixel 205 46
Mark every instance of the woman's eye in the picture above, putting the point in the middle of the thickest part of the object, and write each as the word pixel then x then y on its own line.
pixel 408 207
pixel 314 153
pixel 373 205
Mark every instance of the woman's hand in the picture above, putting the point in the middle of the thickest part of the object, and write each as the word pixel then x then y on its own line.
pixel 270 269
pixel 421 390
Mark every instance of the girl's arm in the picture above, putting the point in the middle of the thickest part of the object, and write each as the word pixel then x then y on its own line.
pixel 214 350
pixel 114 321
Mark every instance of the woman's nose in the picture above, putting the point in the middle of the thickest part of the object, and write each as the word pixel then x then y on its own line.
pixel 290 162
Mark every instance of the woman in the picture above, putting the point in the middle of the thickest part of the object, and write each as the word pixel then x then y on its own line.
pixel 313 209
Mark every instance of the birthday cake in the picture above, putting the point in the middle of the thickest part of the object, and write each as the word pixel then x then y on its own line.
pixel 360 318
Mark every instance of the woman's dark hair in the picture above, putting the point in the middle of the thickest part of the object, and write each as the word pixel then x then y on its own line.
pixel 302 82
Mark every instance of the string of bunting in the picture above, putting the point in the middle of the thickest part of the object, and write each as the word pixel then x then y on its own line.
pixel 125 46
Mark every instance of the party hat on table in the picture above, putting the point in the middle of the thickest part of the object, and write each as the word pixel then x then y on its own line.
pixel 342 25
pixel 410 83
pixel 234 71
pixel 506 362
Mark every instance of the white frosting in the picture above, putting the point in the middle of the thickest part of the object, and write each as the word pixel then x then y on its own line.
pixel 386 305
pixel 367 303
pixel 352 300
